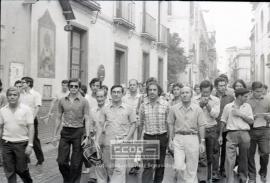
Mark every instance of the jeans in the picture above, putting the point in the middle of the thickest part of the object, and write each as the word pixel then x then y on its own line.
pixel 155 168
pixel 15 162
pixel 186 157
pixel 70 168
pixel 36 143
pixel 237 139
pixel 260 137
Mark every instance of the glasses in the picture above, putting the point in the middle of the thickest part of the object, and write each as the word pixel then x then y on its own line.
pixel 74 86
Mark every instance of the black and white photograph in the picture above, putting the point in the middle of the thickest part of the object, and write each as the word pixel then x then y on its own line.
pixel 103 91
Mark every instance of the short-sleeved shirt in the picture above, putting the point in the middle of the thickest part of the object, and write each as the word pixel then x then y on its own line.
pixel 186 119
pixel 95 113
pixel 132 101
pixel 73 112
pixel 118 120
pixel 28 98
pixel 233 122
pixel 211 116
pixel 154 116
pixel 61 94
pixel 16 123
pixel 259 106
pixel 37 96
pixel 92 101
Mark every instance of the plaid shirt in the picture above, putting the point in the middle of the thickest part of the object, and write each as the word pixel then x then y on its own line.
pixel 154 116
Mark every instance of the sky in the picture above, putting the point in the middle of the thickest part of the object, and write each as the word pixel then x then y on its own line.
pixel 232 23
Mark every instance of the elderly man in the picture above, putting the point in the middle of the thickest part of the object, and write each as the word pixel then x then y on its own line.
pixel 17 133
pixel 187 122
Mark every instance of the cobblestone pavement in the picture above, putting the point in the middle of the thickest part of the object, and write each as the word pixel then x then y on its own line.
pixel 49 173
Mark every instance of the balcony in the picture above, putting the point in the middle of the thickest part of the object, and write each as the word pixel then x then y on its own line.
pixel 92 5
pixel 124 14
pixel 163 36
pixel 149 27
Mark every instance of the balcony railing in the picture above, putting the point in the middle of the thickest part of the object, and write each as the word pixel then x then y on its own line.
pixel 149 27
pixel 91 4
pixel 163 35
pixel 124 14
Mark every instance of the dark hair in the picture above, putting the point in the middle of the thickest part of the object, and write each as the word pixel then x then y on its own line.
pixel 76 80
pixel 239 81
pixel 105 88
pixel 206 84
pixel 160 91
pixel 64 81
pixel 151 79
pixel 29 80
pixel 84 88
pixel 180 85
pixel 241 92
pixel 256 84
pixel 225 77
pixel 0 85
pixel 117 86
pixel 219 79
pixel 17 82
pixel 94 80
pixel 265 87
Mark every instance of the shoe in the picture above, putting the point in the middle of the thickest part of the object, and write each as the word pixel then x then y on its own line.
pixel 92 180
pixel 263 178
pixel 134 170
pixel 216 176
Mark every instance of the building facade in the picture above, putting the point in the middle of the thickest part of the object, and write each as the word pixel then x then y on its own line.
pixel 261 42
pixel 55 40
pixel 186 19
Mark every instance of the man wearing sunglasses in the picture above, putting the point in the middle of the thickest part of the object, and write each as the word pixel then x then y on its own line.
pixel 73 111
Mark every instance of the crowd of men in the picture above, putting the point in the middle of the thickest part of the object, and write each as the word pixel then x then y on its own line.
pixel 211 126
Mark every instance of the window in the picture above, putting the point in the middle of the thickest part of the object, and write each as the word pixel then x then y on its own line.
pixel 169 8
pixel 78 61
pixel 145 66
pixel 160 71
pixel 120 65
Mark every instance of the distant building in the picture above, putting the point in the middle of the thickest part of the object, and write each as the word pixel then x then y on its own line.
pixel 186 19
pixel 55 40
pixel 260 41
pixel 239 64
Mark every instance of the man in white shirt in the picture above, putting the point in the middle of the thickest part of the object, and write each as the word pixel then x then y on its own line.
pixel 94 85
pixel 32 99
pixel 237 116
pixel 63 93
pixel 16 134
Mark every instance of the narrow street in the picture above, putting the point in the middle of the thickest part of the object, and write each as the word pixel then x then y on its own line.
pixel 49 172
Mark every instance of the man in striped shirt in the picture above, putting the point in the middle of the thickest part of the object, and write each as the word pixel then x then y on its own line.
pixel 153 117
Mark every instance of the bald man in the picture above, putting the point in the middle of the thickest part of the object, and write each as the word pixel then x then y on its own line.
pixel 186 122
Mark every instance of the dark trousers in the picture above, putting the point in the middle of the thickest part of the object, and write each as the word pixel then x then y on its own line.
pixel 70 168
pixel 260 137
pixel 36 143
pixel 155 168
pixel 210 142
pixel 15 162
pixel 219 154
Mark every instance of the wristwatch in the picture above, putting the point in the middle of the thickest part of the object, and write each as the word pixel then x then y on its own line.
pixel 30 145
